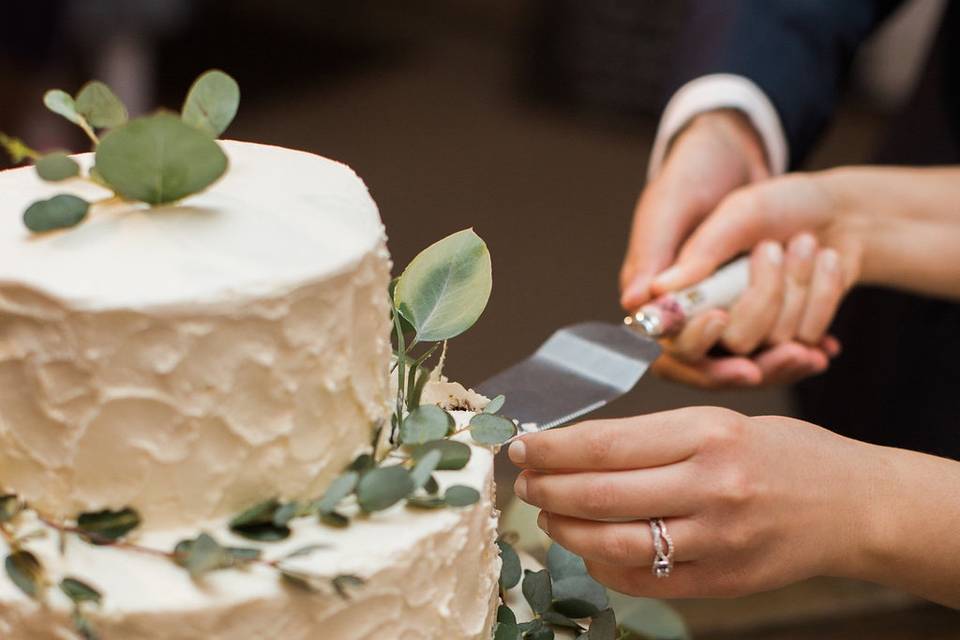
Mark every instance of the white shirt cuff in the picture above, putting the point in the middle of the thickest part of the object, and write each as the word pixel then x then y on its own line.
pixel 722 91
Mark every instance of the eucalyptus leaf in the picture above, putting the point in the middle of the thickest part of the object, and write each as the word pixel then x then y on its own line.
pixel 424 467
pixel 204 555
pixel 495 404
pixel 510 569
pixel 362 463
pixel 537 590
pixel 562 563
pixel 109 525
pixel 579 596
pixel 560 620
pixel 57 166
pixel 425 423
pixel 337 491
pixel 296 580
pixel 83 626
pixel 461 496
pixel 158 159
pixel 506 631
pixel 506 615
pixel 648 618
pixel 486 428
pixel 63 104
pixel 426 502
pixel 445 289
pixel 212 103
pixel 432 486
pixel 287 512
pixel 26 572
pixel 334 519
pixel 306 551
pixel 260 513
pixel 603 626
pixel 100 106
pixel 79 591
pixel 455 455
pixel 268 532
pixel 10 506
pixel 544 633
pixel 383 487
pixel 59 212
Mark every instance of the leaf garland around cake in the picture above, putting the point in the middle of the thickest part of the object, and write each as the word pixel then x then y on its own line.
pixel 157 159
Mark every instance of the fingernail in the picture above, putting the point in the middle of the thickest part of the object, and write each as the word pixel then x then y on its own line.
pixel 666 279
pixel 829 259
pixel 517 452
pixel 774 252
pixel 804 246
pixel 520 487
pixel 543 521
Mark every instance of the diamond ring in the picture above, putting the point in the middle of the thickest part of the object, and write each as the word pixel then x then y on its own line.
pixel 662 549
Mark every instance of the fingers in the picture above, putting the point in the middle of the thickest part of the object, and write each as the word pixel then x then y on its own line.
pixel 627 443
pixel 789 362
pixel 754 314
pixel 685 580
pixel 603 495
pixel 798 268
pixel 626 544
pixel 710 373
pixel 824 296
pixel 699 336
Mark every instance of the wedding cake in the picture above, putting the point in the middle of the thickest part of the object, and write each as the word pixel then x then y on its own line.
pixel 185 362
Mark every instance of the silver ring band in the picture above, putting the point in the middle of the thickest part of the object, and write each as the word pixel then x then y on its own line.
pixel 662 549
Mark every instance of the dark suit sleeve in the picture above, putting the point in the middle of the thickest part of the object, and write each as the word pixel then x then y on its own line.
pixel 797 51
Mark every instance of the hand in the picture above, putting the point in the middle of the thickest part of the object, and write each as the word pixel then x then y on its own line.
pixel 751 503
pixel 792 298
pixel 718 152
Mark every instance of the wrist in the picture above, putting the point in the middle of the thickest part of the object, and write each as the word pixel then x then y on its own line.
pixel 734 130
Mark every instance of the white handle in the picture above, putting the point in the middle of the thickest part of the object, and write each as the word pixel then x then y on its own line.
pixel 667 314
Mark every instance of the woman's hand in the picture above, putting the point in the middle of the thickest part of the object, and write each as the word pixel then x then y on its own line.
pixel 751 503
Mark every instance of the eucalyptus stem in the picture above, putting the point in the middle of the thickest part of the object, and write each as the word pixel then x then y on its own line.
pixel 87 129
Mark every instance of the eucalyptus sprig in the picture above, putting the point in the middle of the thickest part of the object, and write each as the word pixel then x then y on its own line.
pixel 156 159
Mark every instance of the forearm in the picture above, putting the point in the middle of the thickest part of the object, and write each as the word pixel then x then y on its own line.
pixel 908 224
pixel 912 542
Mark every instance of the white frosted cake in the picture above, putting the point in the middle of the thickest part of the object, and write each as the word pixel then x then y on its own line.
pixel 190 361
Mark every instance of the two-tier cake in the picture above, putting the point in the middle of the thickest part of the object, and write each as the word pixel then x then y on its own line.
pixel 189 361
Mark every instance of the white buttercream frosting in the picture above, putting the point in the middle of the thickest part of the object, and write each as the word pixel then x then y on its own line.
pixel 188 361
pixel 429 575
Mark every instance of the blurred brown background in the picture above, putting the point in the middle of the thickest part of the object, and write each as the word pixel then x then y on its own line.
pixel 528 120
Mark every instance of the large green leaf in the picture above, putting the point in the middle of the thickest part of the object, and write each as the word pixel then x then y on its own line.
pixel 648 618
pixel 25 571
pixel 536 589
pixel 212 103
pixel 486 428
pixel 100 106
pixel 510 569
pixel 62 104
pixel 425 423
pixel 159 159
pixel 109 525
pixel 59 212
pixel 383 487
pixel 445 288
pixel 57 166
pixel 454 454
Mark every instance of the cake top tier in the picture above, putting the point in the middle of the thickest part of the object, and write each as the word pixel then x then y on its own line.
pixel 277 219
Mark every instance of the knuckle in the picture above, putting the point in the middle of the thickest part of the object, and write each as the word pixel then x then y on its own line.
pixel 618 548
pixel 725 429
pixel 736 488
pixel 739 342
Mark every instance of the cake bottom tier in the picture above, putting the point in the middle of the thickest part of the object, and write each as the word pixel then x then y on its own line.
pixel 427 575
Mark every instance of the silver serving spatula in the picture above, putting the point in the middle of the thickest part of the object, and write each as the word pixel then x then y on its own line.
pixel 583 367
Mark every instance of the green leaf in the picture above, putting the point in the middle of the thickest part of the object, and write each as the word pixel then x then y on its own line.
pixel 159 159
pixel 10 506
pixel 263 532
pixel 506 615
pixel 649 618
pixel 296 580
pixel 506 631
pixel 424 467
pixel 337 491
pixel 537 590
pixel 461 496
pixel 203 555
pixel 334 519
pixel 17 149
pixel 510 569
pixel 486 428
pixel 544 633
pixel 57 166
pixel 345 581
pixel 445 289
pixel 562 563
pixel 100 106
pixel 83 626
pixel 603 626
pixel 495 404
pixel 426 502
pixel 59 212
pixel 362 463
pixel 426 423
pixel 432 486
pixel 260 513
pixel 455 455
pixel 63 104
pixel 288 512
pixel 560 620
pixel 306 551
pixel 212 103
pixel 26 572
pixel 383 487
pixel 109 525
pixel 579 596
pixel 79 591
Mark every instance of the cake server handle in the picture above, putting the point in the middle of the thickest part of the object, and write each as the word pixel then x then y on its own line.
pixel 666 315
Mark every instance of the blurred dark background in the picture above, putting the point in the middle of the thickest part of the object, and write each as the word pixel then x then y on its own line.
pixel 530 120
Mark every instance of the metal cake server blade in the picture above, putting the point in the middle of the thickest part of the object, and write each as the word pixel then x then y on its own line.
pixel 579 369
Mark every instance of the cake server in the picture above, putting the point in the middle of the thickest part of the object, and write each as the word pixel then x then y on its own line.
pixel 584 366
